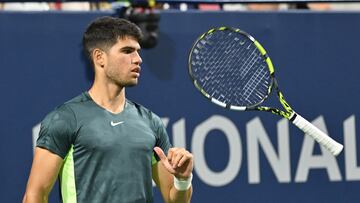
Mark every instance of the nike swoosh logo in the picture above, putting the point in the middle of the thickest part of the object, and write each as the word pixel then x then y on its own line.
pixel 116 123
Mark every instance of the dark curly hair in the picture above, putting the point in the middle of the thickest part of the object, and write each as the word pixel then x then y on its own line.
pixel 104 32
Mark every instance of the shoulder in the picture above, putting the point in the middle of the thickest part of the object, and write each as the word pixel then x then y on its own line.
pixel 69 107
pixel 143 111
pixel 58 129
pixel 64 114
pixel 82 98
pixel 61 118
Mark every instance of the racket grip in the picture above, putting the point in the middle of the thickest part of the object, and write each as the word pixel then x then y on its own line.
pixel 334 147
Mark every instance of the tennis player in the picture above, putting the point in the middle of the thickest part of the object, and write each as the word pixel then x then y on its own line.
pixel 104 147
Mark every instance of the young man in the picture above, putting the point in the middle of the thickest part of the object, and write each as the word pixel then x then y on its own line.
pixel 104 147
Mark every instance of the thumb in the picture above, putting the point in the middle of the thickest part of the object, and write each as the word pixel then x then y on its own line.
pixel 164 159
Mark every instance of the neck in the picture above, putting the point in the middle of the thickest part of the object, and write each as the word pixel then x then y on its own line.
pixel 110 97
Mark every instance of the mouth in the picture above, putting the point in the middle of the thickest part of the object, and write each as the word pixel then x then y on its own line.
pixel 136 70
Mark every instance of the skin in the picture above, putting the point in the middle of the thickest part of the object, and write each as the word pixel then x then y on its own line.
pixel 115 68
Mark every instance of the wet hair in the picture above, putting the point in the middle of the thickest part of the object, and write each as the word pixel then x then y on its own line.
pixel 104 32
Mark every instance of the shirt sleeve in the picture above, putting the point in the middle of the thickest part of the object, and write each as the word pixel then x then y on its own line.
pixel 57 131
pixel 162 138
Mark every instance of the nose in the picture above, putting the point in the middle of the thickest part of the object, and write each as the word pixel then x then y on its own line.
pixel 137 59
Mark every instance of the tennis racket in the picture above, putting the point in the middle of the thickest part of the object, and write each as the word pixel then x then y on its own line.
pixel 232 70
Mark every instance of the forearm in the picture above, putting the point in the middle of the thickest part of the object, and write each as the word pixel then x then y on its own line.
pixel 177 196
pixel 181 190
pixel 35 198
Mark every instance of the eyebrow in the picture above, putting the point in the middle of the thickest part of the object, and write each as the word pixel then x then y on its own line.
pixel 132 48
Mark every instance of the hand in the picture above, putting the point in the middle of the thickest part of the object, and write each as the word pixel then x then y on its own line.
pixel 178 162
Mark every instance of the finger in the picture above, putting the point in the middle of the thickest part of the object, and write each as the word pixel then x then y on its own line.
pixel 175 152
pixel 170 153
pixel 175 162
pixel 176 157
pixel 164 160
pixel 184 159
pixel 160 153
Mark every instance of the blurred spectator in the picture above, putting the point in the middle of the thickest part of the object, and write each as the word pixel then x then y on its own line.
pixel 179 6
pixel 319 6
pixel 336 6
pixel 311 6
pixel 75 6
pixel 263 6
pixel 345 6
pixel 234 7
pixel 106 5
pixel 209 7
pixel 28 6
pixel 103 6
pixel 255 6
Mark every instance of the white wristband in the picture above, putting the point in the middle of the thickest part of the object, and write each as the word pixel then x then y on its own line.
pixel 182 185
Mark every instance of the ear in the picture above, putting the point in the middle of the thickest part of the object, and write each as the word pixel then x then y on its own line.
pixel 98 57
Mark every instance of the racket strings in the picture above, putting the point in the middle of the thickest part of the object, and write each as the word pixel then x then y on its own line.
pixel 218 66
pixel 245 66
pixel 250 89
pixel 229 67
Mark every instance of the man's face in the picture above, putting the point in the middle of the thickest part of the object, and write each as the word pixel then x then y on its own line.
pixel 123 62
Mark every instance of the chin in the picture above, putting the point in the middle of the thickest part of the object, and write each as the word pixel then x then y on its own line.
pixel 131 84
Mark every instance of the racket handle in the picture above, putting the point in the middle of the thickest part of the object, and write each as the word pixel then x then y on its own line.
pixel 334 147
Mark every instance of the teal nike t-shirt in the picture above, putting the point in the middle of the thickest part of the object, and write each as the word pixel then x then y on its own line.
pixel 107 157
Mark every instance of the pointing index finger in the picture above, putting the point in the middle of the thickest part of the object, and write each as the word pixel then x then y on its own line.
pixel 160 153
pixel 164 159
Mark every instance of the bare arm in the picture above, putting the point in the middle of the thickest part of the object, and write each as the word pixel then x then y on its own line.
pixel 44 171
pixel 178 163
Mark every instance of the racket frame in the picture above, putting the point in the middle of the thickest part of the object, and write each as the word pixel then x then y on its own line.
pixel 334 147
pixel 288 113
